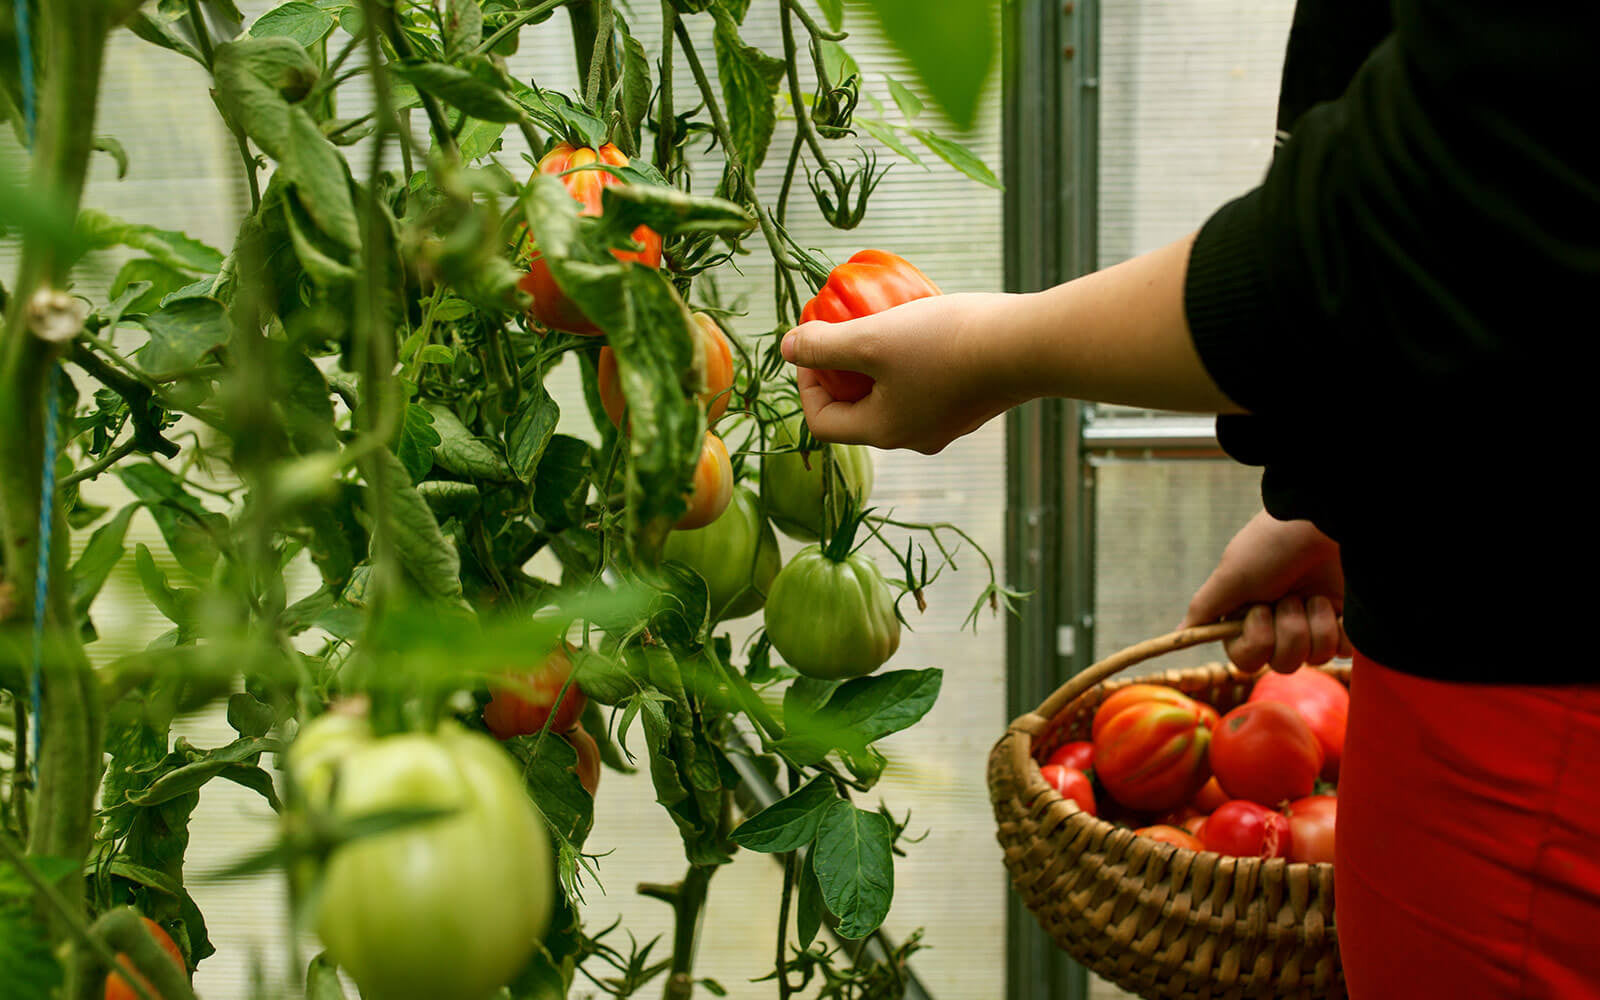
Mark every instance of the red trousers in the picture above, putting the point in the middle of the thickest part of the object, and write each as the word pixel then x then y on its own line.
pixel 1468 844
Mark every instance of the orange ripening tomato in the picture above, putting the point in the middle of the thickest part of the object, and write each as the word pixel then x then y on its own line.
pixel 718 381
pixel 869 282
pixel 1151 756
pixel 551 307
pixel 588 758
pixel 1134 693
pixel 118 988
pixel 1176 836
pixel 522 710
pixel 713 486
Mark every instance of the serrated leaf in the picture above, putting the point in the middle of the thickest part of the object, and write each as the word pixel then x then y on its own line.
pixel 189 529
pixel 858 713
pixel 789 823
pixel 530 429
pixel 190 777
pixel 174 249
pixel 670 211
pixel 636 87
pixel 463 28
pixel 855 867
pixel 99 557
pixel 462 89
pixel 749 79
pixel 305 23
pixel 960 157
pixel 951 46
pixel 427 556
pixel 810 907
pixel 183 333
pixel 416 441
pixel 460 452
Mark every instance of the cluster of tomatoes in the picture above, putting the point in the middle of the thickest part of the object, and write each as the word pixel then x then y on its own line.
pixel 1256 782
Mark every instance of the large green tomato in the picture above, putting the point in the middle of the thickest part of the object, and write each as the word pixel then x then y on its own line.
pixel 737 556
pixel 832 619
pixel 792 493
pixel 445 909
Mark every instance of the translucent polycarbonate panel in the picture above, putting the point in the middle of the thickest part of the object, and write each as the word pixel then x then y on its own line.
pixel 185 173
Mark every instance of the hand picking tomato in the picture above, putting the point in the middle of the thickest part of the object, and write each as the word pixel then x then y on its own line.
pixel 523 709
pixel 1247 830
pixel 1172 835
pixel 1263 751
pixel 867 283
pixel 1072 784
pixel 551 307
pixel 1133 694
pixel 588 757
pixel 712 489
pixel 736 555
pixel 791 483
pixel 448 908
pixel 1151 755
pixel 717 375
pixel 1312 821
pixel 1078 754
pixel 832 619
pixel 118 988
pixel 1320 699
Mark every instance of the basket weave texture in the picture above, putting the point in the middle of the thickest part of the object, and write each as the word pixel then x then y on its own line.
pixel 1158 920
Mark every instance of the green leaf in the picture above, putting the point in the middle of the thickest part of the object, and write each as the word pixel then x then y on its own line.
pixel 191 776
pixel 670 211
pixel 462 89
pixel 158 26
pixel 322 980
pixel 152 282
pixel 811 908
pixel 833 10
pixel 960 157
pixel 416 441
pixel 549 767
pixel 99 557
pixel 428 557
pixel 257 80
pixel 855 867
pixel 183 333
pixel 749 79
pixel 111 147
pixel 951 46
pixel 463 28
pixel 321 179
pixel 910 104
pixel 28 965
pixel 460 452
pixel 305 23
pixel 190 530
pixel 885 133
pixel 789 823
pixel 530 429
pixel 858 713
pixel 174 249
pixel 636 87
pixel 248 715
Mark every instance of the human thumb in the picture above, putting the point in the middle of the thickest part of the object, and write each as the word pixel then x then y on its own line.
pixel 827 345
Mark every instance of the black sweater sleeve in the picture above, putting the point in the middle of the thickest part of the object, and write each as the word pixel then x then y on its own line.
pixel 1425 236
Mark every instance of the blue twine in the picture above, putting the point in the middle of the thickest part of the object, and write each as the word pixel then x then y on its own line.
pixel 25 65
pixel 41 577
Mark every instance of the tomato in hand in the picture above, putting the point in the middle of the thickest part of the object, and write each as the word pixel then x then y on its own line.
pixel 832 619
pixel 522 709
pixel 551 307
pixel 1151 755
pixel 1263 751
pixel 1247 830
pixel 1173 835
pixel 118 988
pixel 712 488
pixel 791 483
pixel 1078 754
pixel 588 757
pixel 1072 784
pixel 869 282
pixel 1133 694
pixel 1320 699
pixel 716 376
pixel 1311 821
pixel 736 555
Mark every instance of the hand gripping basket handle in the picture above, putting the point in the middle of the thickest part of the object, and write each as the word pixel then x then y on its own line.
pixel 1121 660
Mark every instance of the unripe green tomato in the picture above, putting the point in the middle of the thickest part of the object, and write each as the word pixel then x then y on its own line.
pixel 737 556
pixel 830 619
pixel 443 909
pixel 792 493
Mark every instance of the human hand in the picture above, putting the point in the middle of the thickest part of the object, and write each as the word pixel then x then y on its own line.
pixel 1287 574
pixel 936 374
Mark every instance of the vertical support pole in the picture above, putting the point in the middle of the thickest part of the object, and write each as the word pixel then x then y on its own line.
pixel 1050 68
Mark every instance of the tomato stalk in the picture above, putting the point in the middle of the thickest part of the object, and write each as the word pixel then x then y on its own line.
pixel 687 899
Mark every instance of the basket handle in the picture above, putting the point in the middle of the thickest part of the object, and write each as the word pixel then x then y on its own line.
pixel 1147 650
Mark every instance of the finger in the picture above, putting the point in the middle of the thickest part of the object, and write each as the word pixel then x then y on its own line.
pixel 1324 622
pixel 831 345
pixel 831 419
pixel 1251 651
pixel 1292 635
pixel 1215 598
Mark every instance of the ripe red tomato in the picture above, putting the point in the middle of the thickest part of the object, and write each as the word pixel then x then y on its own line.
pixel 551 307
pixel 1311 821
pixel 1078 754
pixel 718 374
pixel 523 709
pixel 1151 755
pixel 1263 751
pixel 1209 797
pixel 1320 699
pixel 1247 830
pixel 1195 825
pixel 118 988
pixel 712 489
pixel 869 282
pixel 588 757
pixel 1133 694
pixel 1072 784
pixel 1176 836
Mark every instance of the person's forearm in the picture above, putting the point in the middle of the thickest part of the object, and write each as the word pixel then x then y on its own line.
pixel 1118 335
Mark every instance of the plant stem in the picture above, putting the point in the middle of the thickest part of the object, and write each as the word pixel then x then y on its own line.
pixel 687 899
pixel 105 462
pixel 517 22
pixel 664 115
pixel 802 116
pixel 597 61
pixel 202 33
pixel 783 918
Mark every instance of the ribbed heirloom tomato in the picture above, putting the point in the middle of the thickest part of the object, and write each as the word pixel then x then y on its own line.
pixel 1322 702
pixel 551 307
pixel 1263 751
pixel 118 988
pixel 718 374
pixel 445 909
pixel 832 619
pixel 791 484
pixel 1134 693
pixel 712 489
pixel 521 709
pixel 736 555
pixel 867 283
pixel 1150 746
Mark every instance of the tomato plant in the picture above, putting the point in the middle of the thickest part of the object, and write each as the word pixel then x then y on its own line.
pixel 1078 754
pixel 1263 751
pixel 1311 825
pixel 869 282
pixel 1246 829
pixel 1322 702
pixel 373 499
pixel 1072 784
pixel 1151 755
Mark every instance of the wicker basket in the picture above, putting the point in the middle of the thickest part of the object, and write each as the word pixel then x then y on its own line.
pixel 1158 920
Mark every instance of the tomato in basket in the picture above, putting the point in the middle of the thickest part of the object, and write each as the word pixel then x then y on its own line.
pixel 1264 751
pixel 1072 784
pixel 1078 754
pixel 1151 755
pixel 1246 829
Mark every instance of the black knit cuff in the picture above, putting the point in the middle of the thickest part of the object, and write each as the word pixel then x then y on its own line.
pixel 1228 303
